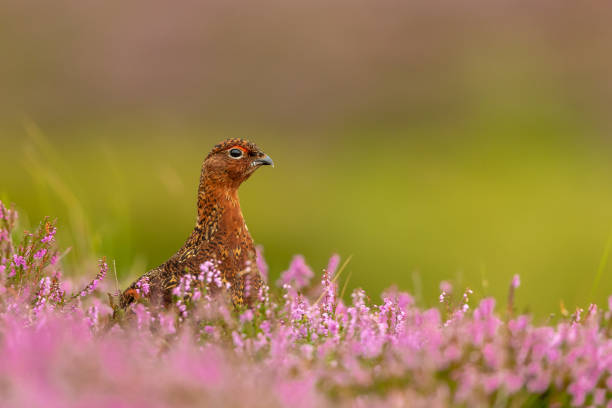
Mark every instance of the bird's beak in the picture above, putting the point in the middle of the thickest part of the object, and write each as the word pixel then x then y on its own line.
pixel 263 161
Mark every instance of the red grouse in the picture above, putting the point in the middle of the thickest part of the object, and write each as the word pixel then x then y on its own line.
pixel 220 234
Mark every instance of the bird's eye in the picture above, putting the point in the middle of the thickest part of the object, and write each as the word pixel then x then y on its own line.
pixel 235 153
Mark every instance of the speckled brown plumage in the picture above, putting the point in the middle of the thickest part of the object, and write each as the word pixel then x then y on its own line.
pixel 220 233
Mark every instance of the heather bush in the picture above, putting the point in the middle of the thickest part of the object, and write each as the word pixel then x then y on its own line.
pixel 301 345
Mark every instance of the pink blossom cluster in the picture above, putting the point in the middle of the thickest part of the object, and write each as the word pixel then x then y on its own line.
pixel 300 345
pixel 88 290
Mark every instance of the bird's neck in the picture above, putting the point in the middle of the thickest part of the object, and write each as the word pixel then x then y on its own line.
pixel 218 209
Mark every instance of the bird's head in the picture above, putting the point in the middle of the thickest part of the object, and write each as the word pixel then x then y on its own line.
pixel 232 161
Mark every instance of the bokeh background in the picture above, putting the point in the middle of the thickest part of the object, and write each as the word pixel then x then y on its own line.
pixel 465 141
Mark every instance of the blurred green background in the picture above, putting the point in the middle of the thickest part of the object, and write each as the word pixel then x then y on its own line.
pixel 433 140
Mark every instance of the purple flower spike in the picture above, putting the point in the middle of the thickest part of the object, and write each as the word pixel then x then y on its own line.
pixel 19 261
pixel 298 275
pixel 332 265
pixel 445 286
pixel 516 281
pixel 262 266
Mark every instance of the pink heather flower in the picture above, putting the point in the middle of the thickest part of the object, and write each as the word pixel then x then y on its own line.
pixel 92 316
pixel 238 340
pixel 540 382
pixel 452 353
pixel 187 286
pixel 518 324
pixel 513 382
pixel 307 351
pixel 94 283
pixel 247 285
pixel 485 308
pixel 167 324
pixel 45 286
pixel 491 355
pixel 297 393
pixel 19 260
pixel 4 213
pixel 599 397
pixel 516 281
pixel 143 316
pixel 42 297
pixel 329 290
pixel 578 314
pixel 445 286
pixel 40 254
pixel 247 316
pixel 263 294
pixel 592 310
pixel 260 261
pixel 182 308
pixel 210 274
pixel 491 383
pixel 2 269
pixel 49 236
pixel 332 265
pixel 579 389
pixel 265 326
pixel 142 286
pixel 404 300
pixel 466 295
pixel 3 235
pixel 298 275
pixel 442 296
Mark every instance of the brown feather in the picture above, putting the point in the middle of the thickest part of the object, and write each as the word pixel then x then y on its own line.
pixel 220 234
